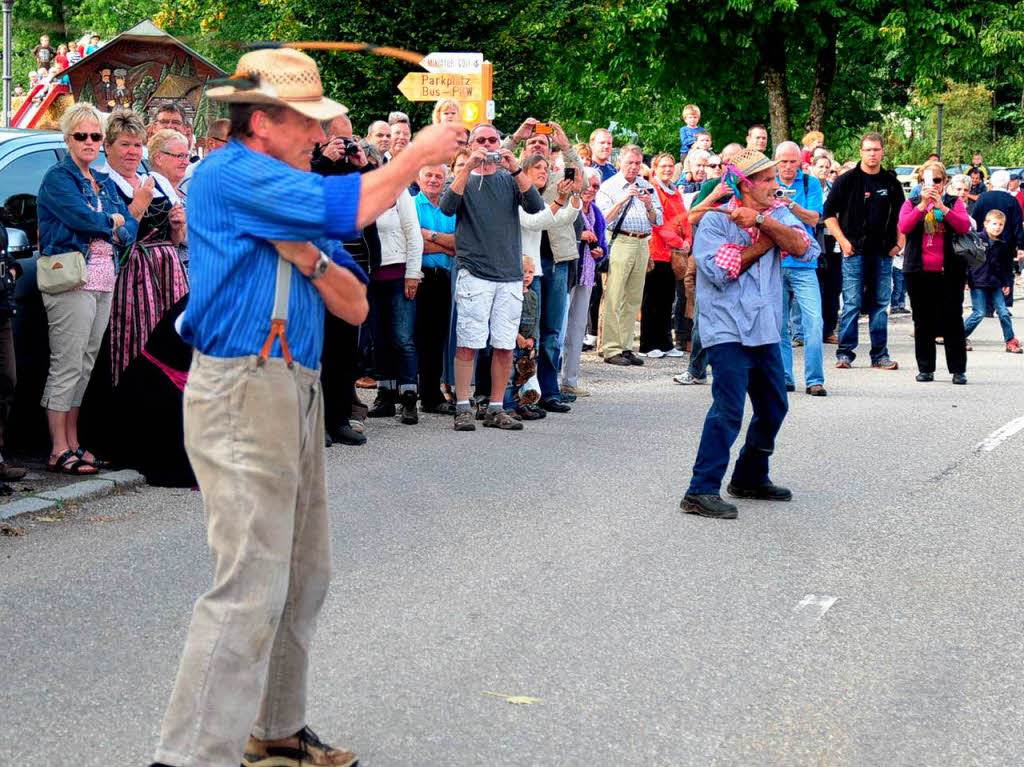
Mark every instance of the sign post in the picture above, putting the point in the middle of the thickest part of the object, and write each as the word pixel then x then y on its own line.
pixel 465 77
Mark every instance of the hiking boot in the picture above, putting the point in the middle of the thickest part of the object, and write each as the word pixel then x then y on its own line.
pixel 711 506
pixel 304 749
pixel 409 415
pixel 464 421
pixel 686 378
pixel 384 404
pixel 1012 347
pixel 884 363
pixel 499 419
pixel 765 492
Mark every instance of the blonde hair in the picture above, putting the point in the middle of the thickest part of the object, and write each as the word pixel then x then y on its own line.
pixel 659 157
pixel 439 108
pixel 934 165
pixel 78 114
pixel 812 136
pixel 162 138
pixel 691 109
pixel 996 215
pixel 583 151
pixel 124 121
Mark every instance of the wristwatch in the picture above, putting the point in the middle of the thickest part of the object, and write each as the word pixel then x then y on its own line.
pixel 433 236
pixel 759 220
pixel 322 265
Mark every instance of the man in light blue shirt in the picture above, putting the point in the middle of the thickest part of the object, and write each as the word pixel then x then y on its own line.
pixel 800 276
pixel 738 251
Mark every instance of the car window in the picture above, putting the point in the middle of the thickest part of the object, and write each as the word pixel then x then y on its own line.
pixel 19 185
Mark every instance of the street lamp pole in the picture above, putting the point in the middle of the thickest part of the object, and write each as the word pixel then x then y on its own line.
pixel 8 8
pixel 938 139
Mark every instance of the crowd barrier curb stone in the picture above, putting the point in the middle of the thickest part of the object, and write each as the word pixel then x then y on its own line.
pixel 97 486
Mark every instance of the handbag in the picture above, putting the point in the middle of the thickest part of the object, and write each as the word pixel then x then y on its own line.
pixel 61 272
pixel 970 248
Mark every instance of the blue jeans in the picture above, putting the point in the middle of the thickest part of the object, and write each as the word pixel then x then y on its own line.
pixel 899 290
pixel 394 335
pixel 698 366
pixel 980 298
pixel 740 371
pixel 802 286
pixel 795 316
pixel 877 269
pixel 554 300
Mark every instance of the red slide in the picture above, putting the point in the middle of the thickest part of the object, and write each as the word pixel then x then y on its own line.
pixel 28 114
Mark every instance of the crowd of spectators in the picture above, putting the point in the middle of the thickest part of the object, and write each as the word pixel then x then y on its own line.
pixel 50 63
pixel 499 269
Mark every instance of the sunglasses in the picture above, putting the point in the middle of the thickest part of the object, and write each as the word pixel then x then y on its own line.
pixel 83 136
pixel 487 140
pixel 715 165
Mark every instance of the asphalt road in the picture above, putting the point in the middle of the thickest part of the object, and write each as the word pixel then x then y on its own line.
pixel 875 620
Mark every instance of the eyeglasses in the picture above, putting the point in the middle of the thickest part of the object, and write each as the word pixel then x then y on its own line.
pixel 165 123
pixel 83 136
pixel 487 139
pixel 715 165
pixel 178 156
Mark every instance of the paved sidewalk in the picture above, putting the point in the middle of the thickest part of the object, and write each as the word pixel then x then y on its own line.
pixel 40 492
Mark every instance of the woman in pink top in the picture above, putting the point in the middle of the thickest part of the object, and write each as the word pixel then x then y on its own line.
pixel 935 275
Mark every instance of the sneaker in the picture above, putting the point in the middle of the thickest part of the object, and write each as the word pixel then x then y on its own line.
pixel 589 340
pixel 686 378
pixel 619 359
pixel 959 379
pixel 816 390
pixel 537 410
pixel 843 364
pixel 765 492
pixel 304 748
pixel 924 377
pixel 675 352
pixel 408 413
pixel 578 391
pixel 499 419
pixel 346 435
pixel 464 421
pixel 1012 347
pixel 884 363
pixel 711 506
pixel 633 359
pixel 654 354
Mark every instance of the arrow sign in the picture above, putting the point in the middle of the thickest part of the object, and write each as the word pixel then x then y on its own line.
pixel 428 86
pixel 459 63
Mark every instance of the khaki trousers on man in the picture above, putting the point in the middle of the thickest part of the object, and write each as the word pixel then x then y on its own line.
pixel 255 437
pixel 627 270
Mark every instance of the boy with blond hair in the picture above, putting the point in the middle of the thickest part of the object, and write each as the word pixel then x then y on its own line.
pixel 688 133
pixel 992 281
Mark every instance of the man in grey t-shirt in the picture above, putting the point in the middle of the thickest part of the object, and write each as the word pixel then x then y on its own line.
pixel 485 198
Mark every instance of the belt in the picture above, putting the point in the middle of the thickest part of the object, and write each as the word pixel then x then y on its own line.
pixel 637 235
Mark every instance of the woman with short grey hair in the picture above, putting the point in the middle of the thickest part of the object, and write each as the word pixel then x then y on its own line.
pixel 79 212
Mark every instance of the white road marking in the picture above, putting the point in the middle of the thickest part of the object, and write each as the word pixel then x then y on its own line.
pixel 812 608
pixel 1000 435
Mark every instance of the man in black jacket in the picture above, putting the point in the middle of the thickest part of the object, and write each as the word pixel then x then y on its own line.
pixel 861 213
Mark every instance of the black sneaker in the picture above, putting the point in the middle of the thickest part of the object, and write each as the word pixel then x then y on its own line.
pixel 346 435
pixel 711 506
pixel 766 492
pixel 619 359
pixel 409 414
pixel 959 379
pixel 924 377
pixel 555 406
pixel 633 359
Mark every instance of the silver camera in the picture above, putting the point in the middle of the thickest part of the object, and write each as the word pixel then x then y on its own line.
pixel 494 157
pixel 782 192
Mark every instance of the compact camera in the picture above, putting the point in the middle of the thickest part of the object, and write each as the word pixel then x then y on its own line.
pixel 494 157
pixel 351 147
pixel 781 192
pixel 570 173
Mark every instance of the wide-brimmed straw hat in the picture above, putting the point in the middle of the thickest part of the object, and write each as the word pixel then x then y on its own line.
pixel 278 77
pixel 750 161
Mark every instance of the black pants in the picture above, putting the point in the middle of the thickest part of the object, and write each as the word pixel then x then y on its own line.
pixel 8 373
pixel 433 302
pixel 338 366
pixel 937 303
pixel 656 308
pixel 593 316
pixel 830 284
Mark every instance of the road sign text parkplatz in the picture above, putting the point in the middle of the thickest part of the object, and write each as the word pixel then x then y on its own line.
pixel 431 86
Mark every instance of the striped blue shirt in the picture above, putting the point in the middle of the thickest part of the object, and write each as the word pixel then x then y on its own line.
pixel 238 200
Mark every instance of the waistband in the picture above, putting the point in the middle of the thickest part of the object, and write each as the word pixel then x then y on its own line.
pixel 273 366
pixel 635 235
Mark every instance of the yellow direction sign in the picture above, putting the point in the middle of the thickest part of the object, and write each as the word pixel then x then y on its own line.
pixel 431 86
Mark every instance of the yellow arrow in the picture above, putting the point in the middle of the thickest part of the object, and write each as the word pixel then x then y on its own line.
pixel 431 86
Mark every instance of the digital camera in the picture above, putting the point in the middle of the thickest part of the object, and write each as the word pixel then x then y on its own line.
pixel 781 192
pixel 494 157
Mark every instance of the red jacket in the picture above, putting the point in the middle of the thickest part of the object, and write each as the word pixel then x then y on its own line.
pixel 674 231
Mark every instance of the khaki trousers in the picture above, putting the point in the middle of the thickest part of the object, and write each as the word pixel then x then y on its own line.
pixel 627 270
pixel 255 437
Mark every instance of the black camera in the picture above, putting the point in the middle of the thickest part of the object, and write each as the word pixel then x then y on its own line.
pixel 570 172
pixel 351 147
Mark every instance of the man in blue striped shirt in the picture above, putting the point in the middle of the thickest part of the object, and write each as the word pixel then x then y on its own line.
pixel 265 262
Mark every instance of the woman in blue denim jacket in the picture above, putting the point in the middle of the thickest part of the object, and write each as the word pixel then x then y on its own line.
pixel 79 210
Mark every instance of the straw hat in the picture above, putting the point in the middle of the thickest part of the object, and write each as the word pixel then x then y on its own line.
pixel 750 161
pixel 278 77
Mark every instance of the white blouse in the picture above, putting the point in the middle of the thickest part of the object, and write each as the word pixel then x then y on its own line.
pixel 401 241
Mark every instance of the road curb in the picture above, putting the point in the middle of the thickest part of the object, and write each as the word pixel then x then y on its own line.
pixel 98 486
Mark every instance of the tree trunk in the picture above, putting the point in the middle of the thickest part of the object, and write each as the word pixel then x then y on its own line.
pixel 824 74
pixel 772 47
